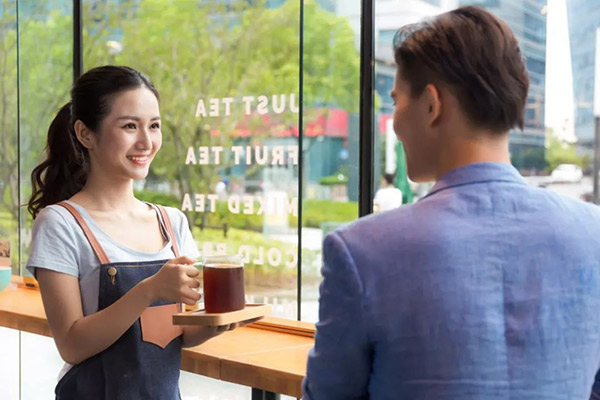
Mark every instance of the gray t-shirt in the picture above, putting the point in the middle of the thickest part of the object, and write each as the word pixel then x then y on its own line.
pixel 58 244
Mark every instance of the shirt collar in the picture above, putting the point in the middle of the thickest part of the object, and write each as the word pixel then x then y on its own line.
pixel 475 173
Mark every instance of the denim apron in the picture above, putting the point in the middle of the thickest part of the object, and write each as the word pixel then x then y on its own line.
pixel 144 363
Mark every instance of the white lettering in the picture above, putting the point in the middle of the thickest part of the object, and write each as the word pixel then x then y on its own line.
pixel 292 207
pixel 261 108
pixel 203 155
pixel 260 260
pixel 277 156
pixel 217 150
pixel 200 109
pixel 191 157
pixel 214 107
pixel 274 256
pixel 247 100
pixel 227 101
pixel 186 205
pixel 237 152
pixel 293 154
pixel 248 155
pixel 199 203
pixel 261 157
pixel 233 203
pixel 279 107
pixel 293 259
pixel 248 204
pixel 213 201
pixel 244 252
pixel 293 107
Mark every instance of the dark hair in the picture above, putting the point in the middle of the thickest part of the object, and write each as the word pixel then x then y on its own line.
pixel 66 168
pixel 389 178
pixel 476 55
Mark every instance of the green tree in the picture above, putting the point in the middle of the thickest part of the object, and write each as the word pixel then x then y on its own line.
pixel 561 152
pixel 191 50
pixel 215 51
pixel 44 78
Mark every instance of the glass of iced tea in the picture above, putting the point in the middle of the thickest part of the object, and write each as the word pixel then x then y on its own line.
pixel 223 278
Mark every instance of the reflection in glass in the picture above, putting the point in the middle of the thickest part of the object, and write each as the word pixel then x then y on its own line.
pixel 45 76
pixel 9 195
pixel 330 142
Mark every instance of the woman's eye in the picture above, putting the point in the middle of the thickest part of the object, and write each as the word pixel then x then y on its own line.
pixel 130 125
pixel 155 125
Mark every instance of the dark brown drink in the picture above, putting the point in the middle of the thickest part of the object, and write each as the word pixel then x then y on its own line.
pixel 223 288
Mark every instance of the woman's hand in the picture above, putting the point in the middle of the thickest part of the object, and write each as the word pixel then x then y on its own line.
pixel 175 282
pixel 195 335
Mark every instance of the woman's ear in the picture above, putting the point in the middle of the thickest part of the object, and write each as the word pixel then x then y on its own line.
pixel 84 135
pixel 434 104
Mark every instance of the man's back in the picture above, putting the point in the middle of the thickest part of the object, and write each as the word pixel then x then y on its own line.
pixel 485 289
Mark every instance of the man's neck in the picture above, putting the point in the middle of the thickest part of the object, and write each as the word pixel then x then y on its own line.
pixel 473 148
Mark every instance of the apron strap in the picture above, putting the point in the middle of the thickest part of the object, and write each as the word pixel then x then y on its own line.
pixel 98 250
pixel 167 222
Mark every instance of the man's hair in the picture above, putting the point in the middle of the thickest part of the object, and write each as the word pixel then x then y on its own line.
pixel 476 56
pixel 389 178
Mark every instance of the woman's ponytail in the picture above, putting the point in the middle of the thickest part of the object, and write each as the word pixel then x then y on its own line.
pixel 65 169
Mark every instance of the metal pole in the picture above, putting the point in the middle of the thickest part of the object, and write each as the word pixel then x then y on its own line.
pixel 596 159
pixel 365 181
pixel 77 40
pixel 301 161
pixel 596 119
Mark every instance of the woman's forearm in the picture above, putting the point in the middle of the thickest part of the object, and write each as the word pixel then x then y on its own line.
pixel 94 333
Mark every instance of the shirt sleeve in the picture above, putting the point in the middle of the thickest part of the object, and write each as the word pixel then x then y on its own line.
pixel 340 362
pixel 377 197
pixel 186 243
pixel 53 244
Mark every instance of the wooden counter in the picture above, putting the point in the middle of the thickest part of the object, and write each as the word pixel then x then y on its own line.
pixel 251 356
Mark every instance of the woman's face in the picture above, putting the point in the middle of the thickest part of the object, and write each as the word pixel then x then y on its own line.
pixel 129 136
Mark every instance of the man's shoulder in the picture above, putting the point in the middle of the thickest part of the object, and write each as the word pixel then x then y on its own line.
pixel 375 231
pixel 558 203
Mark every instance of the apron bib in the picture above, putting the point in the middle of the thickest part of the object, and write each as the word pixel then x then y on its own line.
pixel 144 363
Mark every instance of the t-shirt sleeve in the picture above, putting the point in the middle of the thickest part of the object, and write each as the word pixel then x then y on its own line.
pixel 53 244
pixel 186 243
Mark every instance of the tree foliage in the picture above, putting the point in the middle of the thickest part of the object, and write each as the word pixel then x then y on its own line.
pixel 191 50
pixel 561 152
pixel 216 50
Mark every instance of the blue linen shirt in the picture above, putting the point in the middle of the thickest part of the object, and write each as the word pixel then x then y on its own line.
pixel 486 288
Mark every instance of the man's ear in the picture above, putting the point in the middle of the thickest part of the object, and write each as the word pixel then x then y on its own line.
pixel 84 135
pixel 433 102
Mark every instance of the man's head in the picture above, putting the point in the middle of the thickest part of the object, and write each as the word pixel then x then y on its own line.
pixel 458 73
pixel 389 178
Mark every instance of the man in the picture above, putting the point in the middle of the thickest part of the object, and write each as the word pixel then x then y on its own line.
pixel 486 288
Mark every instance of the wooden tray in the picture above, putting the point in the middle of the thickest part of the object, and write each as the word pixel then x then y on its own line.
pixel 201 317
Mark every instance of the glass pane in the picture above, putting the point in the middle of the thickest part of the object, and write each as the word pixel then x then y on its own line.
pixel 228 77
pixel 9 339
pixel 9 181
pixel 229 99
pixel 45 76
pixel 330 140
pixel 528 20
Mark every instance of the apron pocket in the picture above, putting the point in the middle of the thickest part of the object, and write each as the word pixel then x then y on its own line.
pixel 157 324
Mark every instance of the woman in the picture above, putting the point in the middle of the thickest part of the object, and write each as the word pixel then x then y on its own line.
pixel 112 269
